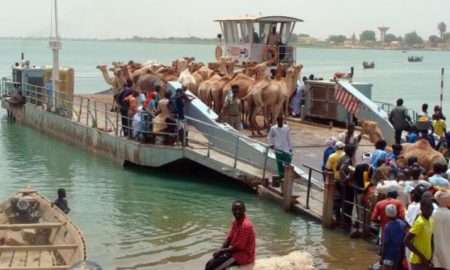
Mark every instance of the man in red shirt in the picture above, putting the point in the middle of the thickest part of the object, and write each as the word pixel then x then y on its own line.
pixel 239 247
pixel 379 211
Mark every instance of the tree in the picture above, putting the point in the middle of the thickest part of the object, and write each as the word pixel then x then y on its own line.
pixel 367 35
pixel 413 38
pixel 389 38
pixel 337 38
pixel 442 27
pixel 434 40
pixel 446 37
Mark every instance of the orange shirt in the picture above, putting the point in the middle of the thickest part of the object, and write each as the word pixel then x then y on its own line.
pixel 133 105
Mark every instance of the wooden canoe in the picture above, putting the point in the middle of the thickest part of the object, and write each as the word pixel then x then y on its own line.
pixel 34 234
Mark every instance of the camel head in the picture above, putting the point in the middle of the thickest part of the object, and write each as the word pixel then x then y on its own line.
pixel 371 128
pixel 101 67
pixel 260 70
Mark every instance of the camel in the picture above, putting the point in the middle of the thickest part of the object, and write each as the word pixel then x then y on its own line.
pixel 210 91
pixel 188 80
pixel 271 93
pixel 425 154
pixel 343 75
pixel 371 128
pixel 117 81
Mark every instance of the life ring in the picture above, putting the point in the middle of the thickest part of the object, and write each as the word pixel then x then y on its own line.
pixel 271 58
pixel 218 52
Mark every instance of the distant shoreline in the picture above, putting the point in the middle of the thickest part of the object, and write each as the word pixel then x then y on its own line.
pixel 205 41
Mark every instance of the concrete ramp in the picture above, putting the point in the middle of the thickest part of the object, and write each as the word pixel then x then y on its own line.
pixel 368 110
pixel 226 138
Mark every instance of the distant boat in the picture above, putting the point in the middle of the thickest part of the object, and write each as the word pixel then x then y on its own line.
pixel 368 65
pixel 404 51
pixel 415 58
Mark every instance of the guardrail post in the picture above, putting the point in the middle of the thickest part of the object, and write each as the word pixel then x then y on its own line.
pixel 308 192
pixel 117 122
pixel 106 117
pixel 328 201
pixel 266 154
pixel 94 120
pixel 287 186
pixel 209 146
pixel 81 109
pixel 88 110
pixel 236 151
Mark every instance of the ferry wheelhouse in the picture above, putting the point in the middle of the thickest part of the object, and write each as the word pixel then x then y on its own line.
pixel 246 39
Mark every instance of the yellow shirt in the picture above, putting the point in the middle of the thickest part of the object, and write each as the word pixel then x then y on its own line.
pixel 332 163
pixel 422 228
pixel 439 126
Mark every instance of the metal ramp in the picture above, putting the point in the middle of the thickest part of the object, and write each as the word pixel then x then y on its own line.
pixel 229 141
pixel 369 110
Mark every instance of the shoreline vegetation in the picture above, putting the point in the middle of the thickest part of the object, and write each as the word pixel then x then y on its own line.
pixel 212 41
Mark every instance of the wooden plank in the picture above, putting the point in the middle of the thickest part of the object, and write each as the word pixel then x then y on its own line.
pixel 5 258
pixel 57 267
pixel 46 259
pixel 29 226
pixel 34 248
pixel 19 259
pixel 33 258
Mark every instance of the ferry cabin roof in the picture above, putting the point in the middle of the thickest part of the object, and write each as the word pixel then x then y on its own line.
pixel 245 37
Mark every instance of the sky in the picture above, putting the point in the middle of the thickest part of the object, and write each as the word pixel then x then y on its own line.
pixel 104 19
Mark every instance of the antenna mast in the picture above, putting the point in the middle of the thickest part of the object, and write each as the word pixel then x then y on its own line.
pixel 55 46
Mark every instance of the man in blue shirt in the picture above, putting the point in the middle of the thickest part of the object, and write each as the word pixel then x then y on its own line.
pixel 392 246
pixel 378 153
pixel 49 91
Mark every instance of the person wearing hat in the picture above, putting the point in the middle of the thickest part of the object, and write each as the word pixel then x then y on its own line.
pixel 329 143
pixel 394 232
pixel 233 108
pixel 332 162
pixel 379 212
pixel 441 216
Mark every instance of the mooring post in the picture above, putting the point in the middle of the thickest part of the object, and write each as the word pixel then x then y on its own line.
pixel 328 201
pixel 287 186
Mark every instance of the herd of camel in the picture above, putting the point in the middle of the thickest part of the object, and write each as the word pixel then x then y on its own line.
pixel 211 83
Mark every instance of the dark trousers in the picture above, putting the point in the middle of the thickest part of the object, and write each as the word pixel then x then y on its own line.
pixel 398 135
pixel 347 204
pixel 220 262
pixel 125 122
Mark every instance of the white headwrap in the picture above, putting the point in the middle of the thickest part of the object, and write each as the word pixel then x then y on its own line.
pixel 330 142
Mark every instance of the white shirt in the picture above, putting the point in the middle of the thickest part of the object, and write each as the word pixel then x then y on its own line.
pixel 280 138
pixel 441 237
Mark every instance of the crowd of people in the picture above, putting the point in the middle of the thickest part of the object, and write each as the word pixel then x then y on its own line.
pixel 147 116
pixel 409 205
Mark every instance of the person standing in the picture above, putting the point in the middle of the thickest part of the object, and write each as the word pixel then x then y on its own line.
pixel 439 126
pixel 332 162
pixel 394 232
pixel 61 202
pixel 233 108
pixel 49 90
pixel 441 216
pixel 273 39
pixel 419 238
pixel 400 119
pixel 123 106
pixel 132 102
pixel 330 142
pixel 380 209
pixel 345 165
pixel 239 246
pixel 280 139
pixel 296 101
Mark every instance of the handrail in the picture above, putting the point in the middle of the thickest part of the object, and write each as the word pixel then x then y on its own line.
pixel 308 191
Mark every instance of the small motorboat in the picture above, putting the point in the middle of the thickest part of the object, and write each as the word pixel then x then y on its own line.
pixel 368 65
pixel 415 58
pixel 35 234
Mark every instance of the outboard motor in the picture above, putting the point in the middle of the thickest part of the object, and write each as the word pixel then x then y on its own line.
pixel 24 211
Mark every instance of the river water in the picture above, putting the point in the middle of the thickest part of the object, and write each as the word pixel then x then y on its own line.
pixel 139 218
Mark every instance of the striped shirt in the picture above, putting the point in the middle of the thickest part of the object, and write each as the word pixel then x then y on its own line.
pixel 242 237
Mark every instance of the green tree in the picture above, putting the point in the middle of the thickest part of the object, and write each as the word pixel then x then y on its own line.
pixel 337 38
pixel 390 37
pixel 413 38
pixel 442 27
pixel 367 35
pixel 446 36
pixel 434 40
